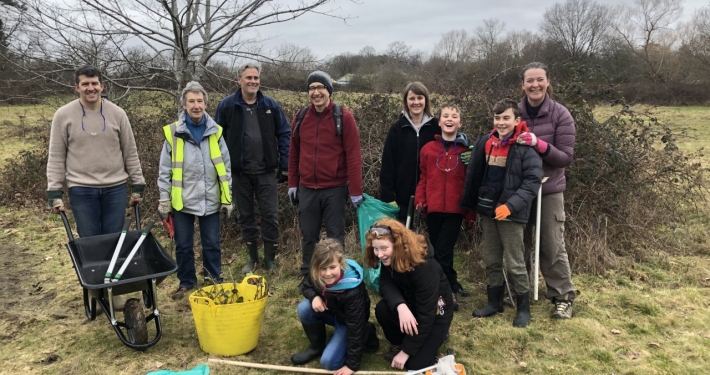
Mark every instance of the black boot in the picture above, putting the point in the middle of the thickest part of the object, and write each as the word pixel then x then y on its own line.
pixel 253 252
pixel 372 343
pixel 522 301
pixel 316 335
pixel 495 302
pixel 270 249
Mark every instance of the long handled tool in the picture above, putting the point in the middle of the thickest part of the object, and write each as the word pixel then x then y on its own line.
pixel 410 211
pixel 293 369
pixel 536 275
pixel 137 246
pixel 109 271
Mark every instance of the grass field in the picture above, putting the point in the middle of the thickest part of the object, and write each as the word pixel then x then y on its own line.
pixel 650 318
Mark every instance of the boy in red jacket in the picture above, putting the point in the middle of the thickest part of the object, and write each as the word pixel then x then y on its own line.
pixel 440 190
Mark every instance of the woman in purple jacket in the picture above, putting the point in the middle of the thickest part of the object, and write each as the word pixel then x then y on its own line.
pixel 552 134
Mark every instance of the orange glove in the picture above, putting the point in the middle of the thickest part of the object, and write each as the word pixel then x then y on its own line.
pixel 502 212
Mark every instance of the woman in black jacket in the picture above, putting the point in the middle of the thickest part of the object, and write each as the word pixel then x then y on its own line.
pixel 417 303
pixel 335 295
pixel 415 127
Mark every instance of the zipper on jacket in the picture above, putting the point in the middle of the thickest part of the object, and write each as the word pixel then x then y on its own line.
pixel 315 155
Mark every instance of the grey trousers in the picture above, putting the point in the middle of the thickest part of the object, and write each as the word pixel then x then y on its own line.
pixel 504 239
pixel 554 263
pixel 263 187
pixel 316 206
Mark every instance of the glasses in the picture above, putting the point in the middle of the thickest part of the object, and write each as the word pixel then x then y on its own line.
pixel 382 230
pixel 448 156
pixel 101 112
pixel 314 88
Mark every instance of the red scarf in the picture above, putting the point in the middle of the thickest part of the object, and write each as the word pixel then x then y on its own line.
pixel 497 150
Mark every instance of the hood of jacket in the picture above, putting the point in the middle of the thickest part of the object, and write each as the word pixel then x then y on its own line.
pixel 183 132
pixel 461 139
pixel 519 129
pixel 426 118
pixel 352 277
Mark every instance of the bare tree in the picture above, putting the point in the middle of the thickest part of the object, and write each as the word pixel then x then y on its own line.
pixel 455 46
pixel 181 36
pixel 579 26
pixel 648 28
pixel 697 38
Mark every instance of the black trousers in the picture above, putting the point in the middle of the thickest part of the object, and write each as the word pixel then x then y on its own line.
pixel 314 207
pixel 427 353
pixel 263 188
pixel 443 231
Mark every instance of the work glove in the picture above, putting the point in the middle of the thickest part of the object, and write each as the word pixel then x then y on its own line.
pixel 282 175
pixel 228 208
pixel 466 155
pixel 502 212
pixel 137 194
pixel 357 200
pixel 394 204
pixel 165 207
pixel 54 199
pixel 529 139
pixel 293 195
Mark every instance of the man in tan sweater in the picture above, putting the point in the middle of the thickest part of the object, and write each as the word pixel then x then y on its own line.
pixel 92 149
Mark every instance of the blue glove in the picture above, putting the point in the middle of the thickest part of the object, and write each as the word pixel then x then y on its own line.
pixel 357 200
pixel 293 195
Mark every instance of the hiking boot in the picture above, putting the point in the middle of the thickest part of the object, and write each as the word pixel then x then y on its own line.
pixel 372 343
pixel 270 249
pixel 316 337
pixel 563 309
pixel 456 303
pixel 394 350
pixel 458 289
pixel 253 253
pixel 495 302
pixel 180 293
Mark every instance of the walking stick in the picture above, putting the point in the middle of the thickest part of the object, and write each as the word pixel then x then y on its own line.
pixel 536 274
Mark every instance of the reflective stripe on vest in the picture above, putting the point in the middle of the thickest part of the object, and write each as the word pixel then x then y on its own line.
pixel 178 157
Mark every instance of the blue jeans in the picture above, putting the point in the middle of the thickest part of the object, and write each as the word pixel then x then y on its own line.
pixel 333 356
pixel 98 210
pixel 184 241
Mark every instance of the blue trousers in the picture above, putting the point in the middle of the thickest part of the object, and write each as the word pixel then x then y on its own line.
pixel 184 242
pixel 333 356
pixel 98 210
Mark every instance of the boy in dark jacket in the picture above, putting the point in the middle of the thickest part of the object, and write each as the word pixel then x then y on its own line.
pixel 502 180
pixel 440 190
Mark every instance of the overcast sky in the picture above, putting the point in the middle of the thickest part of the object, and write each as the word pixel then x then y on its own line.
pixel 418 23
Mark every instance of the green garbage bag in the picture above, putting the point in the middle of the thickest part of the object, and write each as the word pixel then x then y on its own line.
pixel 371 210
pixel 199 370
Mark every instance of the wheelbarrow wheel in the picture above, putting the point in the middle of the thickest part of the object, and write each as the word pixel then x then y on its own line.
pixel 135 320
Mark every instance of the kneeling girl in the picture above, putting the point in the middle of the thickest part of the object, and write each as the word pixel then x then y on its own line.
pixel 335 294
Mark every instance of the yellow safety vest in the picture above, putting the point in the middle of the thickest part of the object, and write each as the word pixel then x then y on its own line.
pixel 178 157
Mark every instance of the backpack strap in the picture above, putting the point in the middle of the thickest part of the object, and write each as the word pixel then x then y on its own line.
pixel 299 118
pixel 338 118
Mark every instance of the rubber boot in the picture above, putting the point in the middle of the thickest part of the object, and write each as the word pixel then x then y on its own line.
pixel 495 302
pixel 316 335
pixel 253 252
pixel 522 301
pixel 270 249
pixel 372 343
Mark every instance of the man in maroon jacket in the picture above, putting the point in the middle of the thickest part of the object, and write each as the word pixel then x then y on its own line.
pixel 324 167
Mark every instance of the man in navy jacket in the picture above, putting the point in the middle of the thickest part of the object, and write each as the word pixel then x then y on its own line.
pixel 258 137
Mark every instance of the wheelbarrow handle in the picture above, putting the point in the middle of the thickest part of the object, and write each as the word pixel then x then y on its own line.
pixel 66 225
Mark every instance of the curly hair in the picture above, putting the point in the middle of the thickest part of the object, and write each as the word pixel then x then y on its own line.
pixel 325 253
pixel 408 248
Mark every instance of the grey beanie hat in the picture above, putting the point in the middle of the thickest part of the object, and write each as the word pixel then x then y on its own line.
pixel 321 77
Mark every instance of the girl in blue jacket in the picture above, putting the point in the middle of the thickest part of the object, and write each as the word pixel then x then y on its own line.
pixel 335 294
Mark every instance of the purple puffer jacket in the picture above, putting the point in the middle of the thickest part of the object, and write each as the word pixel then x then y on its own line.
pixel 554 125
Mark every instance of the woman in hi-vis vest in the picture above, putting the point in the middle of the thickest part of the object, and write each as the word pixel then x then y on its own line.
pixel 195 181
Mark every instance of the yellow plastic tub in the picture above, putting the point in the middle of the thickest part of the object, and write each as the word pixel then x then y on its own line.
pixel 225 326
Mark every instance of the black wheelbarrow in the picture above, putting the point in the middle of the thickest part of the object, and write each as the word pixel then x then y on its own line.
pixel 149 267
